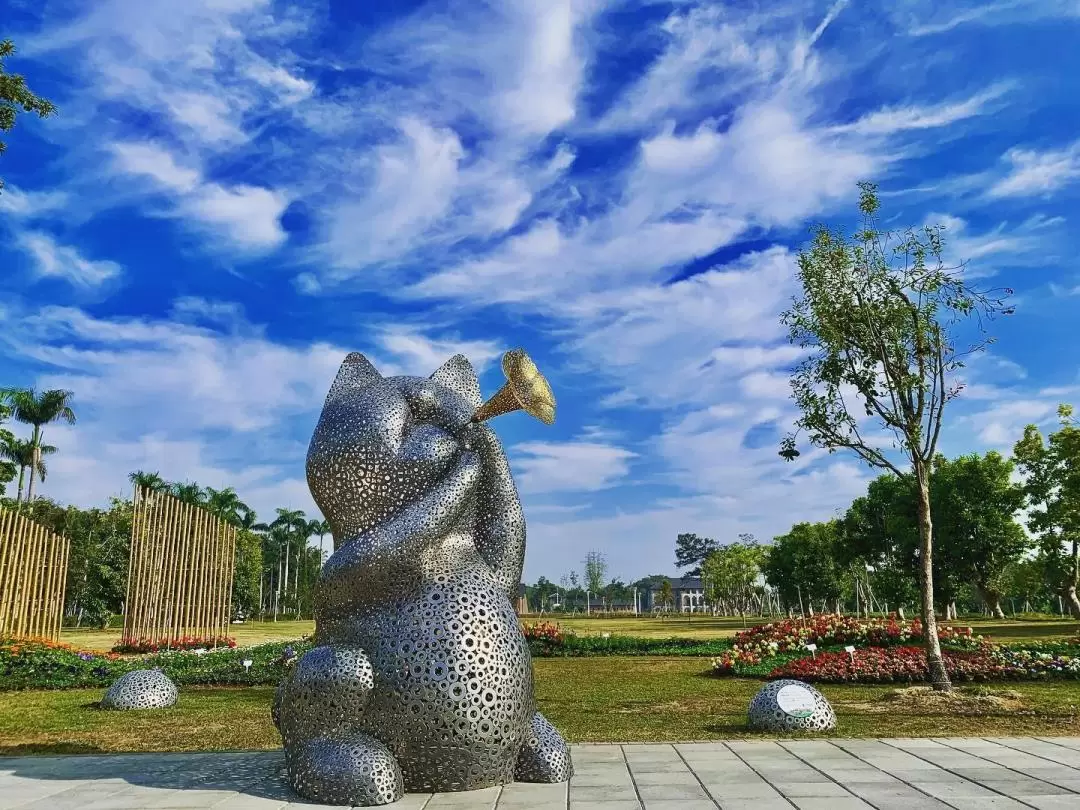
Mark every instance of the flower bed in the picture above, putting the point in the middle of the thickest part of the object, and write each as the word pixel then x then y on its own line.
pixel 896 664
pixel 548 640
pixel 831 629
pixel 144 645
pixel 39 664
pixel 761 649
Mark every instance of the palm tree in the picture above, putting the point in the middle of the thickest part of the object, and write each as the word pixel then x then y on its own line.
pixel 148 480
pixel 188 492
pixel 39 409
pixel 321 528
pixel 21 452
pixel 291 522
pixel 226 504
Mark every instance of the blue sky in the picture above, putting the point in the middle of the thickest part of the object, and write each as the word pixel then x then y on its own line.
pixel 238 192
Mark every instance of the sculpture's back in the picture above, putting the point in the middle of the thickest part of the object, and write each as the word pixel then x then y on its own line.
pixel 422 678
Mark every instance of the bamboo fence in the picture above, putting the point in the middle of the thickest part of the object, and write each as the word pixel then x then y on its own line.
pixel 180 572
pixel 33 575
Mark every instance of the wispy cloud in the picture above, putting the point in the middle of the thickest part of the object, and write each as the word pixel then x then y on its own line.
pixel 578 466
pixel 1034 173
pixel 52 259
pixel 890 120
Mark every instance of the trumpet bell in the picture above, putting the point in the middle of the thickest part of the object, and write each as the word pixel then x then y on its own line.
pixel 526 389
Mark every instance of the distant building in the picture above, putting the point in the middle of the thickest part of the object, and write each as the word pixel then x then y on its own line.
pixel 687 596
pixel 521 605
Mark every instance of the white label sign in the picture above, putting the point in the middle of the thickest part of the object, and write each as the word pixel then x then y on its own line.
pixel 796 701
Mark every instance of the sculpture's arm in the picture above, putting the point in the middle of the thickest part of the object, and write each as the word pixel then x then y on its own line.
pixel 500 523
pixel 409 531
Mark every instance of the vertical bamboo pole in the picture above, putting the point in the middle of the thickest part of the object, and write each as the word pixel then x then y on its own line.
pixel 210 588
pixel 61 586
pixel 140 528
pixel 132 577
pixel 194 578
pixel 220 571
pixel 175 568
pixel 151 566
pixel 204 578
pixel 167 557
pixel 230 579
pixel 206 542
pixel 41 568
pixel 146 527
pixel 26 566
pixel 56 590
pixel 188 616
pixel 7 541
pixel 45 579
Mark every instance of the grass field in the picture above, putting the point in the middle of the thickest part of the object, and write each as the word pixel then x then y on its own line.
pixel 588 699
pixel 700 627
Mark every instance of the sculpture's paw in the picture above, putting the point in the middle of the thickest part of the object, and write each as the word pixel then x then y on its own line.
pixel 275 708
pixel 353 770
pixel 545 756
pixel 326 693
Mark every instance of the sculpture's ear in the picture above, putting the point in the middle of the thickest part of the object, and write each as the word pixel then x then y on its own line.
pixel 457 374
pixel 355 374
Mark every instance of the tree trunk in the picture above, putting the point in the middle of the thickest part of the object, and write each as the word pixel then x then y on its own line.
pixel 285 600
pixel 900 613
pixel 935 664
pixel 992 600
pixel 34 466
pixel 1069 591
pixel 22 476
pixel 1073 601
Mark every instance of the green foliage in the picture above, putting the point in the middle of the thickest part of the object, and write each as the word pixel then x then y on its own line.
pixel 595 571
pixel 249 568
pixel 974 503
pixel 730 574
pixel 665 594
pixel 873 313
pixel 802 564
pixel 14 94
pixel 1052 487
pixel 691 551
pixel 35 665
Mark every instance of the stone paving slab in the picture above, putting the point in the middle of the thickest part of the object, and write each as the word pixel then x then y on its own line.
pixel 884 774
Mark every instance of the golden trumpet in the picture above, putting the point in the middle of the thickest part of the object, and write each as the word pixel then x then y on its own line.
pixel 525 390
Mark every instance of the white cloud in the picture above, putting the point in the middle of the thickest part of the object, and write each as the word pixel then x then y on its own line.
pixel 938 18
pixel 890 120
pixel 577 466
pixel 52 259
pixel 215 401
pixel 28 204
pixel 407 188
pixel 249 215
pixel 1033 173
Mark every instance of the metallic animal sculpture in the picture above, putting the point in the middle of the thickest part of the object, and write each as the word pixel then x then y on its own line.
pixel 422 679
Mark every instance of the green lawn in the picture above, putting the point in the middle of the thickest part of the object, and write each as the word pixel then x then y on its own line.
pixel 700 627
pixel 589 699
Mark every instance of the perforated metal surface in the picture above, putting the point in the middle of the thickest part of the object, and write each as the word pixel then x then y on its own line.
pixel 141 689
pixel 423 679
pixel 767 715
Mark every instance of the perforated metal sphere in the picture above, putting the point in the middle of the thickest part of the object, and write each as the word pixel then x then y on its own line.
pixel 141 689
pixel 788 705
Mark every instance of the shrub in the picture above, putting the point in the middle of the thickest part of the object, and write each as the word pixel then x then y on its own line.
pixel 144 645
pixel 547 640
pixel 908 664
pixel 43 665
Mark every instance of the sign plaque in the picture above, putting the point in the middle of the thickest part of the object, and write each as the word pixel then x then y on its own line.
pixel 796 701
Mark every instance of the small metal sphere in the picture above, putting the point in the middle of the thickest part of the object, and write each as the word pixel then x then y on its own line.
pixel 788 705
pixel 141 689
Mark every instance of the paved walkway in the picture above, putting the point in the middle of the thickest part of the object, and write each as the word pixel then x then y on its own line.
pixel 902 774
